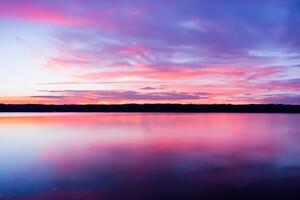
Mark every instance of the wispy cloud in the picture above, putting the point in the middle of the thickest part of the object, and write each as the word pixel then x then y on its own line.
pixel 235 51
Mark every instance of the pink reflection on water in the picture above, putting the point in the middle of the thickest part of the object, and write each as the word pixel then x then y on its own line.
pixel 69 153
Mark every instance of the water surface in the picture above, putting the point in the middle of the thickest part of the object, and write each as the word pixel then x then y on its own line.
pixel 149 156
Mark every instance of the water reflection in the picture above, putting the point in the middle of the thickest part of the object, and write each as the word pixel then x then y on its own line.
pixel 149 156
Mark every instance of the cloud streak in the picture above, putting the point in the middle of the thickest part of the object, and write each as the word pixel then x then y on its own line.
pixel 112 96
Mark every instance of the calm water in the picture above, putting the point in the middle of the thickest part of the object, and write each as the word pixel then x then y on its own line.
pixel 149 156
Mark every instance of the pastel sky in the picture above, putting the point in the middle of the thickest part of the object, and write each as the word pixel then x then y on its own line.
pixel 150 51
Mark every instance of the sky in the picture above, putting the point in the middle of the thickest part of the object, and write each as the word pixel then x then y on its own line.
pixel 149 51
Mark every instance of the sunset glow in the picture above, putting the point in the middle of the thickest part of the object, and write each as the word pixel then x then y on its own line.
pixel 151 51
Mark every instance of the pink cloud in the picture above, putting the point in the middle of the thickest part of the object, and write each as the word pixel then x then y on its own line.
pixel 286 85
pixel 65 14
pixel 146 74
pixel 39 14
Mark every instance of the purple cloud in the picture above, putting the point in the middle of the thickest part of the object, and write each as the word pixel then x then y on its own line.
pixel 95 96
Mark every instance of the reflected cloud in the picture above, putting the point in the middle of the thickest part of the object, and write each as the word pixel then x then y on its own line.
pixel 55 156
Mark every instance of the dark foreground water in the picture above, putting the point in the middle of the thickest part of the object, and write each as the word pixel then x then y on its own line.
pixel 149 156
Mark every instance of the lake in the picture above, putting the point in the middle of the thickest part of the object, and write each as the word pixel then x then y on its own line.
pixel 149 156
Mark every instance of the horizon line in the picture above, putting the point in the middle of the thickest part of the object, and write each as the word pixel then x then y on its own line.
pixel 155 108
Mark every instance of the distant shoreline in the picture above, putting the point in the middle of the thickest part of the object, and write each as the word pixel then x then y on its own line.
pixel 156 108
